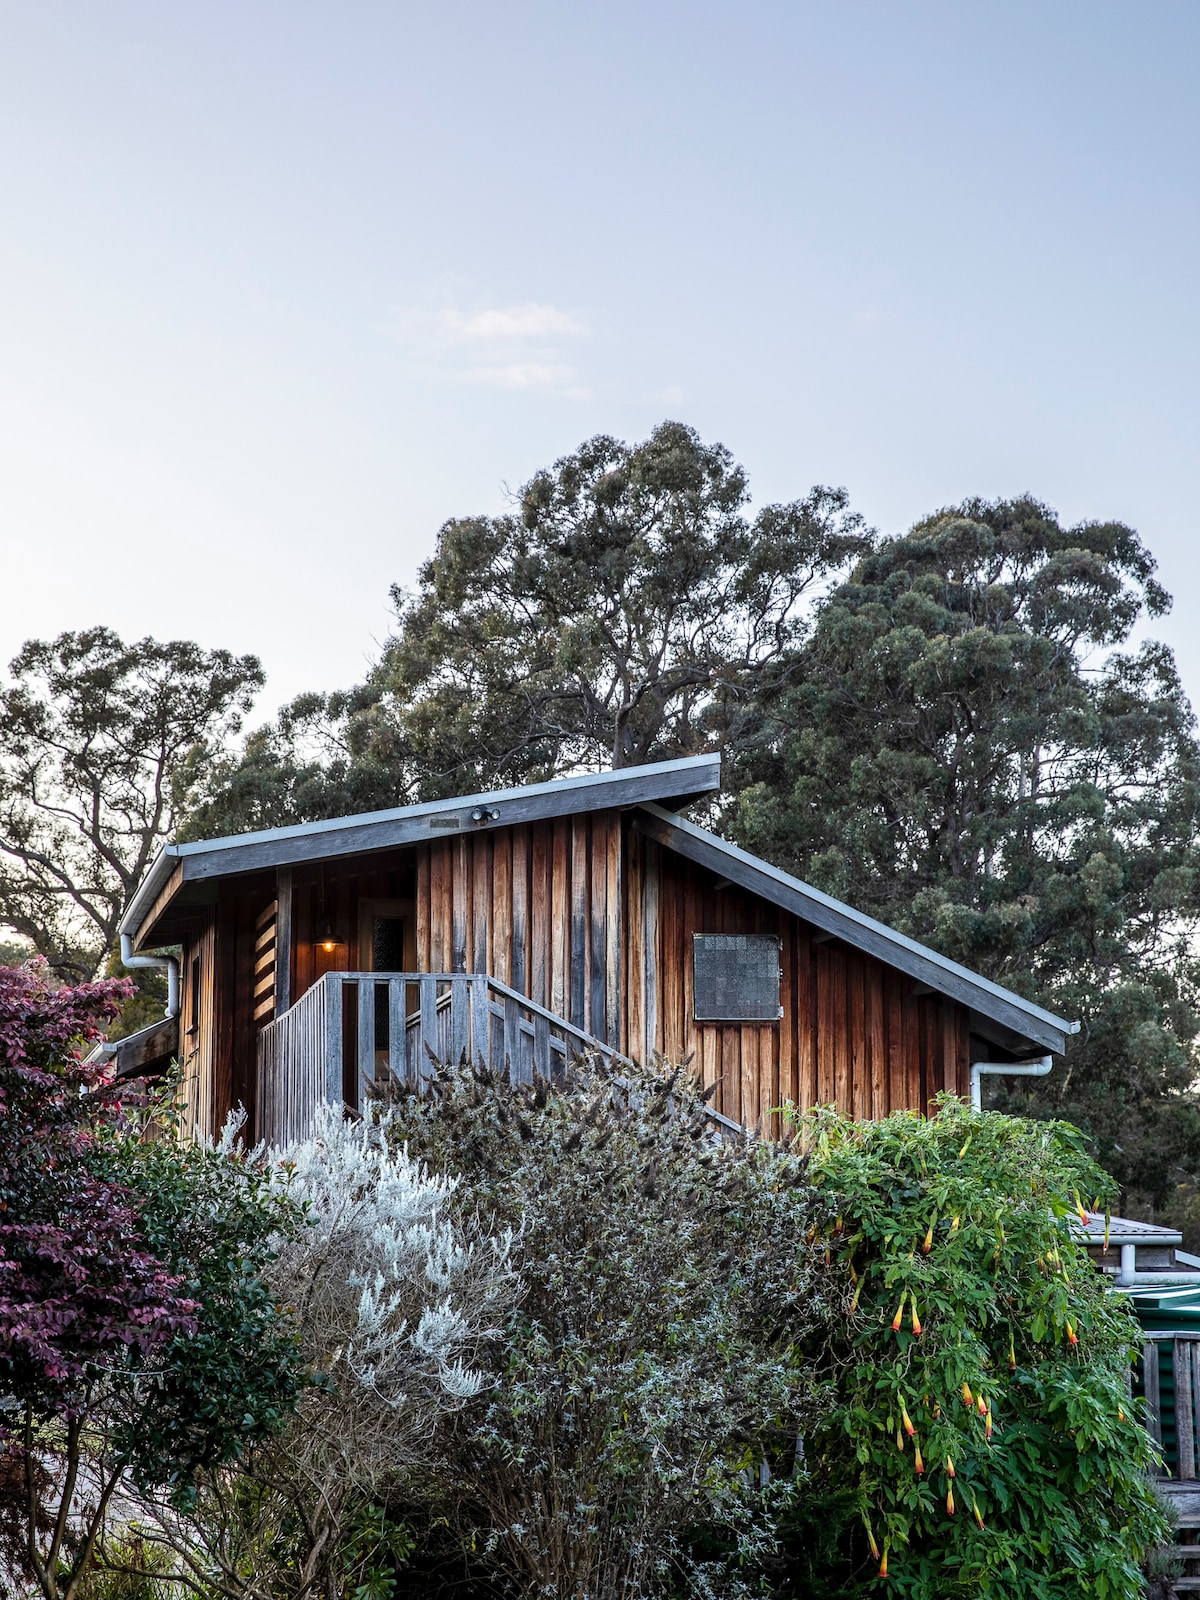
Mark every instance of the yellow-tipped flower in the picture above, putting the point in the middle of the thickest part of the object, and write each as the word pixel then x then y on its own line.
pixel 916 1321
pixel 954 1224
pixel 949 1467
pixel 906 1420
pixel 899 1317
pixel 987 1425
pixel 857 1292
pixel 949 1502
pixel 1081 1213
pixel 928 1244
pixel 981 1405
pixel 900 1441
pixel 966 1145
pixel 883 1563
pixel 1012 1355
pixel 975 1509
pixel 1107 1220
pixel 871 1545
pixel 1071 1339
pixel 918 1464
pixel 968 1399
pixel 1120 1414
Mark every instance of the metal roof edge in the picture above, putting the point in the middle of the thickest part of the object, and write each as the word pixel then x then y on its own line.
pixel 361 819
pixel 695 774
pixel 840 914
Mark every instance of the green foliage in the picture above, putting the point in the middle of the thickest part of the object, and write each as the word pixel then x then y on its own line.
pixel 654 1359
pixel 215 1219
pixel 963 754
pixel 99 741
pixel 1013 1372
pixel 619 613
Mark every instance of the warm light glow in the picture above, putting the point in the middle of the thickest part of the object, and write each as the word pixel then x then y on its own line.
pixel 329 945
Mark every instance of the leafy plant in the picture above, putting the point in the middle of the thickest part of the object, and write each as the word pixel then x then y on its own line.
pixel 983 1416
pixel 653 1375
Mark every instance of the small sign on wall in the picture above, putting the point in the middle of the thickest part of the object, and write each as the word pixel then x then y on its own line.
pixel 736 977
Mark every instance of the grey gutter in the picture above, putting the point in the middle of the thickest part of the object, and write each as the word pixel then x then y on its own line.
pixel 1000 1005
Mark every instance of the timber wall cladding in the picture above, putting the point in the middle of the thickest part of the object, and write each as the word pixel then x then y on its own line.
pixel 537 906
pixel 853 1030
pixel 196 1032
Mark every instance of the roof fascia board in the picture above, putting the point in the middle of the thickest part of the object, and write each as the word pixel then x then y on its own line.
pixel 988 999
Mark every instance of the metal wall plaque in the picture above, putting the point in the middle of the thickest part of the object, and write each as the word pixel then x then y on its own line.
pixel 737 977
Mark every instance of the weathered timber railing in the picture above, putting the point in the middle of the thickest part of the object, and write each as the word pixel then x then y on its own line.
pixel 351 1028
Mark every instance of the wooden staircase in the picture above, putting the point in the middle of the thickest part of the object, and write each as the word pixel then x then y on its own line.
pixel 352 1029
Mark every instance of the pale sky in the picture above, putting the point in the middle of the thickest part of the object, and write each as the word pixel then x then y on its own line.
pixel 285 285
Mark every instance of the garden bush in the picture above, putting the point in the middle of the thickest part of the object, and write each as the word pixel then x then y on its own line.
pixel 982 1418
pixel 655 1371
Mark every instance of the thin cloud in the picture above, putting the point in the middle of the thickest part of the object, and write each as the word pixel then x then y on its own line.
pixel 522 347
pixel 515 324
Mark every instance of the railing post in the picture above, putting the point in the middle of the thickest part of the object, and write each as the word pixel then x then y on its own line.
pixel 1185 1437
pixel 481 1021
pixel 366 1038
pixel 333 1038
pixel 428 1039
pixel 460 1022
pixel 396 1029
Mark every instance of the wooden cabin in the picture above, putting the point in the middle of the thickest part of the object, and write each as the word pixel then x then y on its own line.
pixel 526 924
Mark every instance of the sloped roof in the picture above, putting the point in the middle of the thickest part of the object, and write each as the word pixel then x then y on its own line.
pixel 1007 1018
pixel 673 782
pixel 989 1001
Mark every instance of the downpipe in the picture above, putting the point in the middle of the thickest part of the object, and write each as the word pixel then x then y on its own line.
pixel 1005 1069
pixel 128 959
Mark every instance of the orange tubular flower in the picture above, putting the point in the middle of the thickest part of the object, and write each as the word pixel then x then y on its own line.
pixel 874 1548
pixel 975 1509
pixel 981 1405
pixel 900 1441
pixel 1079 1211
pixel 968 1401
pixel 918 1464
pixel 949 1467
pixel 928 1244
pixel 1071 1339
pixel 1012 1355
pixel 1120 1414
pixel 899 1317
pixel 987 1426
pixel 907 1420
pixel 883 1564
pixel 949 1501
pixel 916 1321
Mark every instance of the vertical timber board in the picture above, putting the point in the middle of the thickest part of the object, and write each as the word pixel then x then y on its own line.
pixel 689 924
pixel 670 1000
pixel 826 1059
pixel 787 1087
pixel 560 914
pixel 424 948
pixel 578 986
pixel 751 1084
pixel 613 929
pixel 911 1013
pixel 856 1036
pixel 539 916
pixel 839 997
pixel 481 902
pixel 461 907
pixel 283 939
pixel 597 1023
pixel 730 1096
pixel 650 948
pixel 633 1031
pixel 502 905
pixel 442 901
pixel 805 990
pixel 519 901
pixel 876 1044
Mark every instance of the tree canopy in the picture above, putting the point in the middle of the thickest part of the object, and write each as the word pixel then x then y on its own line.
pixel 622 611
pixel 966 751
pixel 99 743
